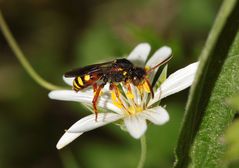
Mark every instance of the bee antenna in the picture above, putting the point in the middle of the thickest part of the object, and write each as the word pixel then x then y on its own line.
pixel 158 65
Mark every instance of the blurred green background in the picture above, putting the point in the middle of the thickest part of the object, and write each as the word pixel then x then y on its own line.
pixel 59 35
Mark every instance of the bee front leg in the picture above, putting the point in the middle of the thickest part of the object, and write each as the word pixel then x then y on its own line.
pixel 117 98
pixel 150 87
pixel 95 99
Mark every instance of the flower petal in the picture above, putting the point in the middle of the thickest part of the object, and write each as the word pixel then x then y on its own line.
pixel 157 115
pixel 136 125
pixel 84 97
pixel 176 82
pixel 66 139
pixel 139 54
pixel 68 81
pixel 159 56
pixel 88 123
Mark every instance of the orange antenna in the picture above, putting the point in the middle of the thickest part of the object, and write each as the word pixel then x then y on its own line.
pixel 161 63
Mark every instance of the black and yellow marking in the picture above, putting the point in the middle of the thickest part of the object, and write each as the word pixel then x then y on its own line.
pixel 78 84
pixel 82 82
pixel 87 77
pixel 79 81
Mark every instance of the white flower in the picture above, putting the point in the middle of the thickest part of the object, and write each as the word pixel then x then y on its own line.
pixel 134 107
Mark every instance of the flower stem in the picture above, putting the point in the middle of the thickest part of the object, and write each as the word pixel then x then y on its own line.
pixel 143 152
pixel 21 57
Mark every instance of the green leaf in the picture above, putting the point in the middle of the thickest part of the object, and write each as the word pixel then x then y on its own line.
pixel 234 102
pixel 207 114
pixel 208 149
pixel 232 142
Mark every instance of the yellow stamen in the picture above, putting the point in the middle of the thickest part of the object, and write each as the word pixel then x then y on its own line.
pixel 124 73
pixel 130 95
pixel 135 109
pixel 146 87
pixel 115 100
pixel 141 89
pixel 87 77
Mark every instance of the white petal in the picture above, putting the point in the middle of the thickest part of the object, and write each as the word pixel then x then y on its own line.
pixel 136 125
pixel 176 82
pixel 157 115
pixel 158 57
pixel 66 139
pixel 88 123
pixel 139 54
pixel 68 81
pixel 84 97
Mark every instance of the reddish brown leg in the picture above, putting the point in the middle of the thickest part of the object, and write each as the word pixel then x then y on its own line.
pixel 128 87
pixel 95 99
pixel 114 88
pixel 150 87
pixel 94 87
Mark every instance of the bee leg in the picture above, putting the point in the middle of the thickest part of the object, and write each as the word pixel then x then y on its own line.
pixel 129 93
pixel 95 99
pixel 94 87
pixel 115 89
pixel 150 87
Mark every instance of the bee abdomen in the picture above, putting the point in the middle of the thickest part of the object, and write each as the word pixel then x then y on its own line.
pixel 78 84
pixel 82 82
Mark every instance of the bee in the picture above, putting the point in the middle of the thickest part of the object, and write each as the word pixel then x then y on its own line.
pixel 112 72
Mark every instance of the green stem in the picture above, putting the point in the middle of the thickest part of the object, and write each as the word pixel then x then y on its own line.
pixel 143 152
pixel 21 57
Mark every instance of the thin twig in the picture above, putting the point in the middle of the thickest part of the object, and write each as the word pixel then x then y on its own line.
pixel 21 57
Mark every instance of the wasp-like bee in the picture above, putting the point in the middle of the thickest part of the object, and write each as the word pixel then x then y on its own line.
pixel 113 72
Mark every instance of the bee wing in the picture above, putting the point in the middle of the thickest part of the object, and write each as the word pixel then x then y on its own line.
pixel 95 68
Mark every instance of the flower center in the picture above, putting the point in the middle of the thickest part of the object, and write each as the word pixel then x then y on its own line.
pixel 134 99
pixel 134 110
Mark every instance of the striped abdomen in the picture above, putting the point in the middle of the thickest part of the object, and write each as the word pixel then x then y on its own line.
pixel 81 82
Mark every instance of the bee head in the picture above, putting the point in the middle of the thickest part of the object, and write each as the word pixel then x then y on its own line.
pixel 138 75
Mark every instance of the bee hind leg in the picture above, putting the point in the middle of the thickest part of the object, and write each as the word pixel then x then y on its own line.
pixel 97 91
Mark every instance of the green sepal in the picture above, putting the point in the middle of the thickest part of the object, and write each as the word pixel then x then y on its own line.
pixel 162 76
